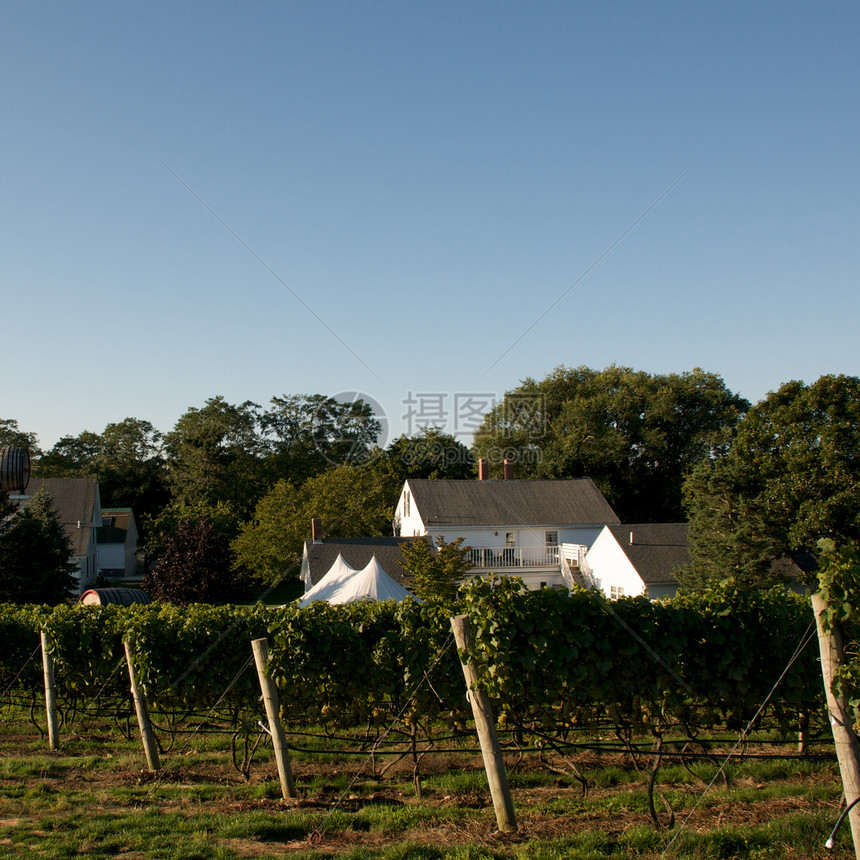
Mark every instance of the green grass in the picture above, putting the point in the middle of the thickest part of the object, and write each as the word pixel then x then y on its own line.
pixel 94 799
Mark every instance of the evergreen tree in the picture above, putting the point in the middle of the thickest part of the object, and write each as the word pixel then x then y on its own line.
pixel 730 539
pixel 34 553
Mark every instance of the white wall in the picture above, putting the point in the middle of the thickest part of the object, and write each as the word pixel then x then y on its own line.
pixel 407 514
pixel 611 567
pixel 527 536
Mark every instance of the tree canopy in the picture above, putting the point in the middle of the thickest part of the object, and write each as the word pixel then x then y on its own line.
pixel 309 433
pixel 635 434
pixel 350 501
pixel 731 542
pixel 790 477
pixel 215 454
pixel 127 458
pixel 430 454
pixel 12 435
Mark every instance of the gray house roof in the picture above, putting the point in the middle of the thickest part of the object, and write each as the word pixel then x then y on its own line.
pixel 656 550
pixel 115 525
pixel 357 552
pixel 75 501
pixel 495 503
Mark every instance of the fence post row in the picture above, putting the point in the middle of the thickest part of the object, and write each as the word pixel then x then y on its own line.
pixel 149 745
pixel 485 723
pixel 276 730
pixel 50 693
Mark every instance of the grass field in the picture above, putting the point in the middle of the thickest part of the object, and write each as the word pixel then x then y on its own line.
pixel 93 798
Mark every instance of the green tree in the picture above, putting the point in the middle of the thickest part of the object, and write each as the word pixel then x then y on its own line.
pixel 71 457
pixel 11 435
pixel 438 574
pixel 214 454
pixel 156 527
pixel 790 477
pixel 635 434
pixel 802 446
pixel 194 566
pixel 350 502
pixel 309 433
pixel 430 454
pixel 731 543
pixel 131 467
pixel 34 553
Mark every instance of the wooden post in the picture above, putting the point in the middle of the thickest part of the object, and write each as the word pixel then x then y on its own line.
pixel 846 742
pixel 485 723
pixel 276 730
pixel 802 732
pixel 149 745
pixel 50 693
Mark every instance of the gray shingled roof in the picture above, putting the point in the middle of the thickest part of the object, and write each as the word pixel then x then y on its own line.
pixel 357 552
pixel 117 530
pixel 657 548
pixel 514 503
pixel 74 501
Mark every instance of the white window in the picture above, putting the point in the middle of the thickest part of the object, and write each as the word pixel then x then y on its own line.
pixel 510 539
pixel 616 591
pixel 406 505
pixel 551 538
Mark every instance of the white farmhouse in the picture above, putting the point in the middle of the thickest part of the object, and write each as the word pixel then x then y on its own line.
pixel 535 529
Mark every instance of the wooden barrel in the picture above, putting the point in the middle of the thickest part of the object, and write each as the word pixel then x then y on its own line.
pixel 14 469
pixel 117 596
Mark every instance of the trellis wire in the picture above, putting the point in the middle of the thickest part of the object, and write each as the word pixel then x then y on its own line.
pixel 27 662
pixel 806 638
pixel 317 834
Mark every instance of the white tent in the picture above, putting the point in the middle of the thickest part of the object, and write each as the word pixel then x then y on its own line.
pixel 344 584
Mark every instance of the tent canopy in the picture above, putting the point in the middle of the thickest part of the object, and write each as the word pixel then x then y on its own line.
pixel 344 584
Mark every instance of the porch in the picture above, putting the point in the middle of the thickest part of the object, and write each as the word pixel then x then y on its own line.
pixel 507 558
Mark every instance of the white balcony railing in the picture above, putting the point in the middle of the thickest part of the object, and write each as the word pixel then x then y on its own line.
pixel 575 567
pixel 505 558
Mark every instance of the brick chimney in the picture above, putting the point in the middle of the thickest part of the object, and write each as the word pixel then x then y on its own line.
pixel 483 470
pixel 509 469
pixel 316 530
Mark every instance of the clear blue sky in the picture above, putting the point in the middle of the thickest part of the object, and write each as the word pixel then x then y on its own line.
pixel 429 179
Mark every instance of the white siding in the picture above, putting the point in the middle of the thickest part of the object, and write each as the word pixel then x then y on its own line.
pixel 527 536
pixel 407 516
pixel 612 569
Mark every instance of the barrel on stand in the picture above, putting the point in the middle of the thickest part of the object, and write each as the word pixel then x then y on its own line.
pixel 14 470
